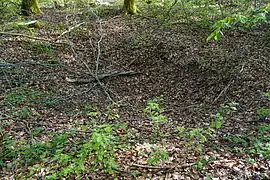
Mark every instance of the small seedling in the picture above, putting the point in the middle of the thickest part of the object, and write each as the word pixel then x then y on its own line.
pixel 157 156
pixel 134 44
pixel 197 137
pixel 112 111
pixel 154 112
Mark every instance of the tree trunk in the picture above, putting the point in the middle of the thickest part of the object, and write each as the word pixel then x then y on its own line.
pixel 30 7
pixel 130 7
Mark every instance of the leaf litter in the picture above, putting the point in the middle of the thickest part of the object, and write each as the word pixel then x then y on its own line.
pixel 175 63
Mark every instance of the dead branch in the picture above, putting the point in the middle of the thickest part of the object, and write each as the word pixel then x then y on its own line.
pixel 24 35
pixel 152 167
pixel 95 76
pixel 163 168
pixel 224 90
pixel 54 42
pixel 70 29
pixel 101 77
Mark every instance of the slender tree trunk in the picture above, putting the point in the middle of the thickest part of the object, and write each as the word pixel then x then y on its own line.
pixel 30 7
pixel 130 7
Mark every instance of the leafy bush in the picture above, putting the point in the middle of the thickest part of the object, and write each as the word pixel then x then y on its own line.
pixel 249 19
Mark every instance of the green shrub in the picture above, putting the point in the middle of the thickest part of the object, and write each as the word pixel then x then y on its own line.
pixel 249 19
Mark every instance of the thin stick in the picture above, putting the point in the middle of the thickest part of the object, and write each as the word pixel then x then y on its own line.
pixel 51 41
pixel 98 56
pixel 151 167
pixel 70 29
pixel 223 91
pixel 24 35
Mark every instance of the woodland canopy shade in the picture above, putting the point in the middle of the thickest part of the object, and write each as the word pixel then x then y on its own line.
pixel 29 7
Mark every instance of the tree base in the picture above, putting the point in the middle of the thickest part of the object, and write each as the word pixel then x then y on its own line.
pixel 130 7
pixel 30 7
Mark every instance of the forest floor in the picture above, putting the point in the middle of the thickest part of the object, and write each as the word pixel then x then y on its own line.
pixel 48 84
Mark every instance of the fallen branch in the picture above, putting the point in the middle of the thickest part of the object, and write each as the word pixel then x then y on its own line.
pixel 163 168
pixel 24 35
pixel 50 41
pixel 100 77
pixel 224 90
pixel 70 29
pixel 152 167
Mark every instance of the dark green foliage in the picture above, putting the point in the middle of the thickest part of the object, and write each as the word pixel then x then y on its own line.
pixel 99 149
pixel 257 144
pixel 23 94
pixel 251 18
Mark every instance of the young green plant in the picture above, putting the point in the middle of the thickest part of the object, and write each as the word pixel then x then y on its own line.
pixel 154 112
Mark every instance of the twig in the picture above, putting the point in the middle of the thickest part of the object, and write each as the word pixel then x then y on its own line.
pixel 51 41
pixel 24 35
pixel 242 68
pixel 100 77
pixel 223 91
pixel 152 167
pixel 98 57
pixel 70 29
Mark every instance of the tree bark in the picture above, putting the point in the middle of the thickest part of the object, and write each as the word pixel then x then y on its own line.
pixel 130 7
pixel 30 7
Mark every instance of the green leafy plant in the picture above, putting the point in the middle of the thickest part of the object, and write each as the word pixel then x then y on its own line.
pixel 9 11
pixel 254 145
pixel 154 112
pixel 102 148
pixel 250 18
pixel 260 147
pixel 201 163
pixel 257 144
pixel 263 128
pixel 91 111
pixel 196 137
pixel 267 96
pixel 219 116
pixel 111 111
pixel 23 94
pixel 74 157
pixel 24 113
pixel 6 144
pixel 250 160
pixel 264 112
pixel 134 44
pixel 156 156
pixel 44 48
pixel 99 151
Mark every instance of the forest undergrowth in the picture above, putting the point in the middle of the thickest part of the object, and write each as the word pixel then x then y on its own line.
pixel 95 94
